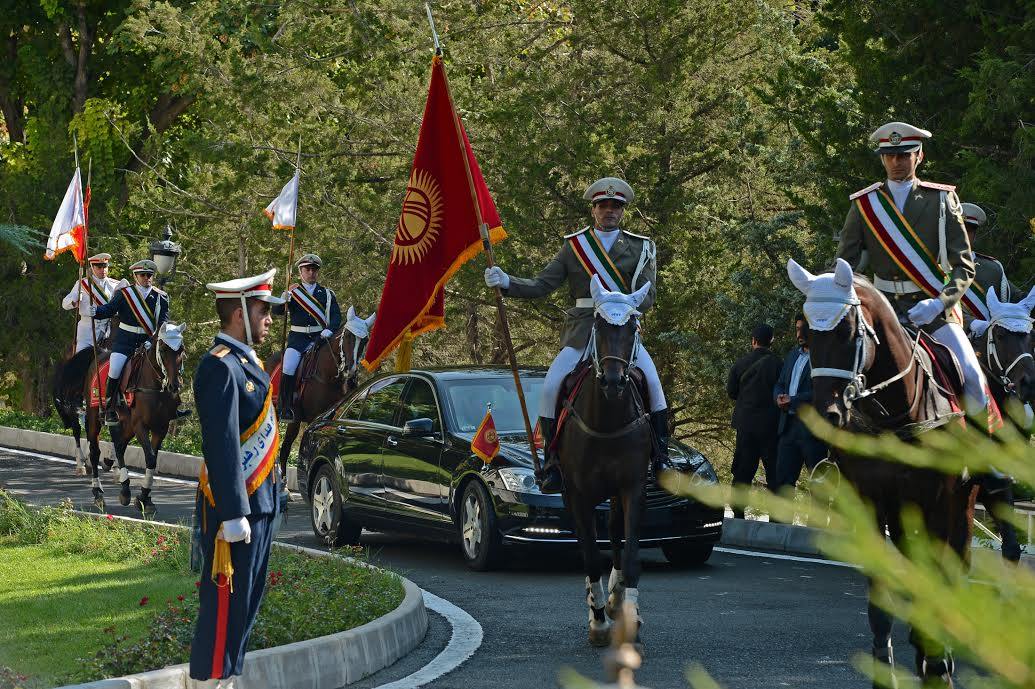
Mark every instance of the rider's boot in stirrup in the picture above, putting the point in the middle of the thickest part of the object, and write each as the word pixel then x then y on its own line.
pixel 287 396
pixel 659 457
pixel 111 403
pixel 551 477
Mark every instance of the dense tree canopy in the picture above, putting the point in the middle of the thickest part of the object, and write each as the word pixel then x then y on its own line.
pixel 741 125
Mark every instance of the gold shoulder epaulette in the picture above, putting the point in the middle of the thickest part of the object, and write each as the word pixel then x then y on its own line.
pixel 575 234
pixel 867 190
pixel 638 236
pixel 219 351
pixel 936 185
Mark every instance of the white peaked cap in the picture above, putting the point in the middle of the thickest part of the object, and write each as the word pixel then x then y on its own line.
pixel 898 137
pixel 257 287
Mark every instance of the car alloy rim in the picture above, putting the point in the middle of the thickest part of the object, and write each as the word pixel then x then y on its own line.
pixel 323 505
pixel 472 526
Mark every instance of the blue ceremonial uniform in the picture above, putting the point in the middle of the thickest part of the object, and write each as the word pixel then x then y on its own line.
pixel 301 318
pixel 232 394
pixel 126 341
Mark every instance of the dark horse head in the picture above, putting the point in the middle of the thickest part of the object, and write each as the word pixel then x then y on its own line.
pixel 616 336
pixel 166 357
pixel 350 344
pixel 1004 346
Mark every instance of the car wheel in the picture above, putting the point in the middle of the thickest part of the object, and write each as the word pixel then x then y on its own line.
pixel 330 524
pixel 479 538
pixel 687 553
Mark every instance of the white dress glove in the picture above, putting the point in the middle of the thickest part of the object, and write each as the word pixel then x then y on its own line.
pixel 325 333
pixel 93 310
pixel 285 295
pixel 925 311
pixel 495 277
pixel 235 530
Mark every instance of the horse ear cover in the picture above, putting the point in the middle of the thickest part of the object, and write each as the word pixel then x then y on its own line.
pixel 351 314
pixel 843 274
pixel 993 299
pixel 1029 301
pixel 801 278
pixel 639 295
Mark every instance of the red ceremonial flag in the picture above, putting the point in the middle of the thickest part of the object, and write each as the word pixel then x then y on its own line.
pixel 486 443
pixel 437 230
pixel 68 233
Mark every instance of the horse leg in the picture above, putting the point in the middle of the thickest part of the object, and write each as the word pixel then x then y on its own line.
pixel 143 501
pixel 285 448
pixel 80 458
pixel 583 512
pixel 615 582
pixel 632 506
pixel 120 441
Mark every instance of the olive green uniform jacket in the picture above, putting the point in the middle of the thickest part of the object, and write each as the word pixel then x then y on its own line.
pixel 625 253
pixel 921 211
pixel 990 273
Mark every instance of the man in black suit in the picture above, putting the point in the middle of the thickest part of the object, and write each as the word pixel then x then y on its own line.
pixel 755 415
pixel 796 445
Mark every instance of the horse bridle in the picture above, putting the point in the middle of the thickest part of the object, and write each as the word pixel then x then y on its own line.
pixel 160 369
pixel 598 361
pixel 992 353
pixel 347 374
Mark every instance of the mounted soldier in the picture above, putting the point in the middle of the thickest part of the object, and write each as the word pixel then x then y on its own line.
pixel 142 309
pixel 623 262
pixel 989 272
pixel 315 316
pixel 910 235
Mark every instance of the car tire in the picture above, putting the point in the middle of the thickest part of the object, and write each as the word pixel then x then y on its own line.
pixel 687 553
pixel 480 540
pixel 326 514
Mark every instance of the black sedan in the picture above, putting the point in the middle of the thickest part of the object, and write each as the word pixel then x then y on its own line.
pixel 396 456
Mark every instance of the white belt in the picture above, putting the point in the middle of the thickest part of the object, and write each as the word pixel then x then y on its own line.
pixel 584 303
pixel 132 329
pixel 895 287
pixel 307 329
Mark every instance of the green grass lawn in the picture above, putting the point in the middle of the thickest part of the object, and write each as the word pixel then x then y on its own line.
pixel 56 606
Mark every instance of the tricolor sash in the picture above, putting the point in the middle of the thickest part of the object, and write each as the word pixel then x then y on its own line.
pixel 259 444
pixel 313 307
pixel 905 248
pixel 594 259
pixel 96 292
pixel 143 313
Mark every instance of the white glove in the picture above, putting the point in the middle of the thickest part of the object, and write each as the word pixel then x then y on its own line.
pixel 495 277
pixel 325 333
pixel 925 311
pixel 285 295
pixel 235 530
pixel 93 310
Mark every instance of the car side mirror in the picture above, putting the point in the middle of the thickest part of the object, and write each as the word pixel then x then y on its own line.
pixel 418 428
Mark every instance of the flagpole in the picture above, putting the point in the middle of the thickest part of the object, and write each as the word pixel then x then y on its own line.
pixel 86 252
pixel 291 252
pixel 487 244
pixel 79 286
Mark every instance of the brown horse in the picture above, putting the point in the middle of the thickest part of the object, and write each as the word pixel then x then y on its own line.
pixel 334 373
pixel 156 383
pixel 71 395
pixel 871 376
pixel 605 448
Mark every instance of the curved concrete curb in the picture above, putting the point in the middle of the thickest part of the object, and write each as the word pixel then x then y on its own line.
pixel 783 538
pixel 169 463
pixel 326 662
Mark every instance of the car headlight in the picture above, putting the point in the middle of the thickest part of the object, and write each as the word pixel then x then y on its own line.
pixel 518 479
pixel 704 473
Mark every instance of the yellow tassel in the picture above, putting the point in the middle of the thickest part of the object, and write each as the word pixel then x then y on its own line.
pixel 221 563
pixel 404 355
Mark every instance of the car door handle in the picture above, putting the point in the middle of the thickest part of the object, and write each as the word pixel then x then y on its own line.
pixel 391 441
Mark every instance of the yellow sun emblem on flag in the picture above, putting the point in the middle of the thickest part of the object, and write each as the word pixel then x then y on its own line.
pixel 420 220
pixel 491 436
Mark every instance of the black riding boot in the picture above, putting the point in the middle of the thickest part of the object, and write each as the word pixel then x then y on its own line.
pixel 287 396
pixel 659 457
pixel 111 403
pixel 551 477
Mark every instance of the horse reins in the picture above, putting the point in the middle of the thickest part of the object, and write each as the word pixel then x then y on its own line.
pixel 992 352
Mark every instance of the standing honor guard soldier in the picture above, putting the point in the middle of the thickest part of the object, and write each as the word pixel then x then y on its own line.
pixel 917 247
pixel 315 315
pixel 237 490
pixel 142 308
pixel 623 261
pixel 92 291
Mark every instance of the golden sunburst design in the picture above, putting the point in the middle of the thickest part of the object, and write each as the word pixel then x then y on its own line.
pixel 420 220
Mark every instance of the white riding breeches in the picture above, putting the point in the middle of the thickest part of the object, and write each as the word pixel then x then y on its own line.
pixel 291 359
pixel 569 357
pixel 117 363
pixel 952 336
pixel 83 339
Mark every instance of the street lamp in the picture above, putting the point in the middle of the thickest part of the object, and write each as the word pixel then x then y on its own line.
pixel 165 253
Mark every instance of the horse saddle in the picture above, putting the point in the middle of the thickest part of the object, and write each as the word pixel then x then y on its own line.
pixel 306 372
pixel 573 383
pixel 946 368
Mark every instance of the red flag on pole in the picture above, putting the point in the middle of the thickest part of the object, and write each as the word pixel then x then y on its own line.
pixel 68 233
pixel 486 442
pixel 437 230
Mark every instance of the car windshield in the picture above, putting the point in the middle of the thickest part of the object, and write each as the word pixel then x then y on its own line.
pixel 468 398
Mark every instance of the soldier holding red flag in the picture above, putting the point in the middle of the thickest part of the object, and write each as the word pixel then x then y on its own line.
pixel 623 261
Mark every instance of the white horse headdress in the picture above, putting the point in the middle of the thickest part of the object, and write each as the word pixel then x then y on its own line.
pixel 828 297
pixel 615 307
pixel 172 335
pixel 1014 317
pixel 360 327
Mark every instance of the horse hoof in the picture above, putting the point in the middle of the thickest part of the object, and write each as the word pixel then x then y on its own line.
pixel 108 464
pixel 613 607
pixel 79 470
pixel 146 507
pixel 98 502
pixel 600 636
pixel 124 496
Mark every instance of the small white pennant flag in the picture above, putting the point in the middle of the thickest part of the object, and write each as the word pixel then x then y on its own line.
pixel 282 209
pixel 69 228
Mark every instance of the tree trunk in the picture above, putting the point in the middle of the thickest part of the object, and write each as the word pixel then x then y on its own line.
pixel 473 338
pixel 11 108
